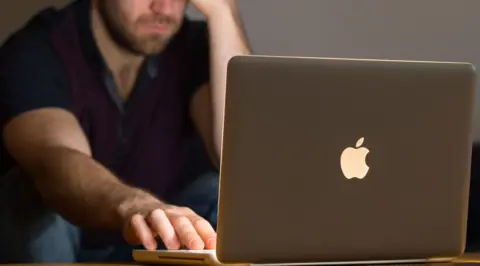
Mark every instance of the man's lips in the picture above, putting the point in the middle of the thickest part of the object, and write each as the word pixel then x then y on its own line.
pixel 158 27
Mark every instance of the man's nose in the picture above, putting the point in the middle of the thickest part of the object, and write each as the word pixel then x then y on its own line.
pixel 164 7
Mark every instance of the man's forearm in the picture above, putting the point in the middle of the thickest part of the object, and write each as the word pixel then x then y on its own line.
pixel 82 190
pixel 227 39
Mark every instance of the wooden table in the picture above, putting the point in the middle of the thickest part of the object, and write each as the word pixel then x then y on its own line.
pixel 467 259
pixel 73 264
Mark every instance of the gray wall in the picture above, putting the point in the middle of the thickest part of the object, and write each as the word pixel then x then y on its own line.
pixel 387 29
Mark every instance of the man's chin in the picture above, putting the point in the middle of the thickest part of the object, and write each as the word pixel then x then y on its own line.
pixel 148 51
pixel 150 45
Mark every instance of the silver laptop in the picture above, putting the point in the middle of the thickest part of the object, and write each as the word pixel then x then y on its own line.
pixel 343 160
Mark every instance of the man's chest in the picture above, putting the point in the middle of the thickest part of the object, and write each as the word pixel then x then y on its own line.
pixel 151 121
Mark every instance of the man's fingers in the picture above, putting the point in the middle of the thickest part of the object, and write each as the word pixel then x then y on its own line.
pixel 141 229
pixel 176 226
pixel 205 231
pixel 160 223
pixel 187 233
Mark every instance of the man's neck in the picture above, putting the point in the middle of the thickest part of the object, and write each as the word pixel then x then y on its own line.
pixel 123 65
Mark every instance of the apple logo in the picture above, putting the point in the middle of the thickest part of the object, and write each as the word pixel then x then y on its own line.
pixel 353 161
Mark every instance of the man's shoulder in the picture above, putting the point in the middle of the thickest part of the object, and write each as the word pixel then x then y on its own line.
pixel 197 25
pixel 194 40
pixel 31 72
pixel 33 39
pixel 193 37
pixel 195 29
pixel 43 22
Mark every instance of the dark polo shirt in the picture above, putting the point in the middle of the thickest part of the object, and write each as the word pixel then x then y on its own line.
pixel 53 61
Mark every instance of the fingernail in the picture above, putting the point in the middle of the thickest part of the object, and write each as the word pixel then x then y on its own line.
pixel 193 244
pixel 211 242
pixel 151 245
pixel 173 245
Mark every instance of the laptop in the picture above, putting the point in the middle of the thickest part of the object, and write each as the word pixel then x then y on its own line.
pixel 335 161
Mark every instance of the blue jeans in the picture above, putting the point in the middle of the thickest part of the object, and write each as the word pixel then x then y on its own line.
pixel 31 233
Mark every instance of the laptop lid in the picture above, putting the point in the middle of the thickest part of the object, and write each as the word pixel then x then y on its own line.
pixel 344 160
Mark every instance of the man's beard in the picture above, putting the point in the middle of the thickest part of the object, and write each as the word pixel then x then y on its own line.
pixel 149 45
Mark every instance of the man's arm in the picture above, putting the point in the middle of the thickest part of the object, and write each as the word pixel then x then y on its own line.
pixel 43 136
pixel 227 39
pixel 51 148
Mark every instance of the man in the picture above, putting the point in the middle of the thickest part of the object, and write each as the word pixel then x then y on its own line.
pixel 97 100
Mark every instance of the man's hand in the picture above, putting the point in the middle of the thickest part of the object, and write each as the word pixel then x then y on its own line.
pixel 176 226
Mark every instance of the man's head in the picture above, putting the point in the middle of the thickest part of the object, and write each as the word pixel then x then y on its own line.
pixel 142 27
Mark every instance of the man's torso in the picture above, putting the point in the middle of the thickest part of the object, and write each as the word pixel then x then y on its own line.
pixel 142 139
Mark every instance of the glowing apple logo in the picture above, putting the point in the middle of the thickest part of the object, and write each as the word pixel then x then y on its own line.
pixel 353 161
